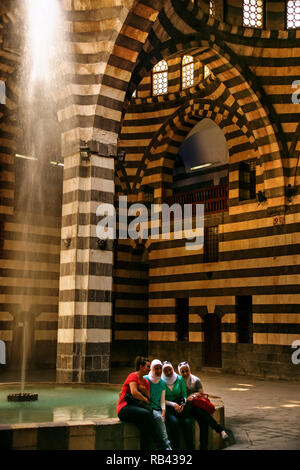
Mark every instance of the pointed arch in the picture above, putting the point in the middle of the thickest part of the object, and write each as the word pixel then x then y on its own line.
pixel 187 116
pixel 129 40
pixel 241 94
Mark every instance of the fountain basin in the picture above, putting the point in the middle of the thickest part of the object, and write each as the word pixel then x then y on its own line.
pixel 57 403
pixel 83 424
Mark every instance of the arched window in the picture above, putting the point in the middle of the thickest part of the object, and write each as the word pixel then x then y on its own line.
pixel 160 78
pixel 212 8
pixel 293 14
pixel 253 13
pixel 187 71
pixel 206 71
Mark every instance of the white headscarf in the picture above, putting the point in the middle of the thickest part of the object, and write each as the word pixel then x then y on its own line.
pixel 152 377
pixel 169 380
pixel 189 382
pixel 183 364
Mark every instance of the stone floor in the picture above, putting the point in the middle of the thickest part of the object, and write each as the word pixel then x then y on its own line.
pixel 263 414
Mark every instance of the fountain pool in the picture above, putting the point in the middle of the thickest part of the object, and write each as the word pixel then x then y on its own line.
pixel 74 417
pixel 65 417
pixel 59 403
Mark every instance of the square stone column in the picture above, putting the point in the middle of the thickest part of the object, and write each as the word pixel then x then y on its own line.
pixel 85 289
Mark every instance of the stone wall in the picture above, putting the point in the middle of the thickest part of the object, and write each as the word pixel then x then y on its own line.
pixel 258 242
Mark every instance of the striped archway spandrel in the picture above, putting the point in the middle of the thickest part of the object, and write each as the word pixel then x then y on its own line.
pixel 242 96
pixel 187 116
pixel 217 41
pixel 121 62
pixel 163 153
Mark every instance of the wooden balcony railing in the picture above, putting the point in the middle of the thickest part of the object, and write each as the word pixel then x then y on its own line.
pixel 215 199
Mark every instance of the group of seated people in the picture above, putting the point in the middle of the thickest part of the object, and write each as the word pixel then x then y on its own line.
pixel 159 402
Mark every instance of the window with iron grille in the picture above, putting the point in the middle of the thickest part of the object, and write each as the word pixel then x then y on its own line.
pixel 212 8
pixel 187 71
pixel 211 244
pixel 243 309
pixel 182 319
pixel 247 180
pixel 160 78
pixel 293 14
pixel 253 13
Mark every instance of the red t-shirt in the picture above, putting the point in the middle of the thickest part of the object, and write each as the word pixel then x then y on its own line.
pixel 133 377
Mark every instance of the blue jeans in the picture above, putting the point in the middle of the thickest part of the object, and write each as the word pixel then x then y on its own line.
pixel 204 420
pixel 143 419
pixel 177 422
pixel 161 431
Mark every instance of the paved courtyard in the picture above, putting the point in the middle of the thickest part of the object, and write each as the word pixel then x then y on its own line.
pixel 263 414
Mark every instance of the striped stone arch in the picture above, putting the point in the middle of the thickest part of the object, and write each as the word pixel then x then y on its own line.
pixel 122 185
pixel 130 40
pixel 294 154
pixel 241 94
pixel 179 125
pixel 187 14
pixel 295 144
pixel 176 30
pixel 126 26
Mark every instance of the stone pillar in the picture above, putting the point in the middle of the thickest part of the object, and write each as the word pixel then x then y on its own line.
pixel 85 291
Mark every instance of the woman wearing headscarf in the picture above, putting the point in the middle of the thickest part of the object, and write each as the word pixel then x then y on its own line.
pixel 177 415
pixel 158 402
pixel 204 419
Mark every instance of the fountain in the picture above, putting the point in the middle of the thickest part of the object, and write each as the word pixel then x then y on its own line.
pixel 22 396
pixel 41 79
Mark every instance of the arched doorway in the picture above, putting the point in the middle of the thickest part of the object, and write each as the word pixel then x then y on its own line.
pixel 212 340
